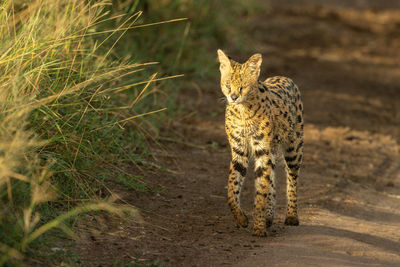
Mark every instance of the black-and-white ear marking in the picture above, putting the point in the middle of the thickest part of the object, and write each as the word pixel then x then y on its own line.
pixel 254 63
pixel 224 61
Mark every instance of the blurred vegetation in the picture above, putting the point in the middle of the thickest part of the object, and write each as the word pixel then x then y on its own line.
pixel 82 98
pixel 188 47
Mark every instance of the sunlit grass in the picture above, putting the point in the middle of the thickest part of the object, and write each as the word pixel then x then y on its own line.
pixel 64 108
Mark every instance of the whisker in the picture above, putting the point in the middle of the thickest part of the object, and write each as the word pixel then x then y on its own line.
pixel 222 100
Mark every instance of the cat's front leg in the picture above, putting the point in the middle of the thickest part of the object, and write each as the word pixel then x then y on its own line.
pixel 265 200
pixel 237 173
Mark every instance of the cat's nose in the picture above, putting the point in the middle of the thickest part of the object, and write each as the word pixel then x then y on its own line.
pixel 234 97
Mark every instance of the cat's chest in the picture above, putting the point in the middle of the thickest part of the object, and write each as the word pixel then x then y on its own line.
pixel 241 124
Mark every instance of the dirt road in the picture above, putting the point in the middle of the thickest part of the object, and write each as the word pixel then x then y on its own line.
pixel 346 61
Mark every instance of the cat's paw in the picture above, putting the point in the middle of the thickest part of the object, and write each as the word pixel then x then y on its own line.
pixel 242 220
pixel 294 221
pixel 259 231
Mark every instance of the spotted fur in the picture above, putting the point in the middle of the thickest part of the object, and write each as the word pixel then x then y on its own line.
pixel 262 119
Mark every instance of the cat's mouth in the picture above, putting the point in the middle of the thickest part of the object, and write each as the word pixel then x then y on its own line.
pixel 236 101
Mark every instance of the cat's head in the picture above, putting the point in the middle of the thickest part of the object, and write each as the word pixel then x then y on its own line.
pixel 237 79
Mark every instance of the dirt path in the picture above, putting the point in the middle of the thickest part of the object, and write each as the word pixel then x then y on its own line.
pixel 346 61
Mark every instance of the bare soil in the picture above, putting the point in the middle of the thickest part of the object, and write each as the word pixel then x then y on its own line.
pixel 346 60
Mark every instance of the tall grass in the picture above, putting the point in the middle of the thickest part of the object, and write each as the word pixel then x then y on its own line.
pixel 65 105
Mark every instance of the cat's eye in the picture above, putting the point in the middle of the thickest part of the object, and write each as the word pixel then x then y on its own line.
pixel 240 89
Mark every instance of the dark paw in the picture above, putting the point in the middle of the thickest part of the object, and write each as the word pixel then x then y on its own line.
pixel 294 221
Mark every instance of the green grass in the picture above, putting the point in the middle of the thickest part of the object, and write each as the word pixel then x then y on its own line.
pixel 70 116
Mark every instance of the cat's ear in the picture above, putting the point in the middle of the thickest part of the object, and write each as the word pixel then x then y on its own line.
pixel 225 63
pixel 254 63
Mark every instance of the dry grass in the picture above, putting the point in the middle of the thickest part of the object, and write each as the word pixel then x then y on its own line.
pixel 59 92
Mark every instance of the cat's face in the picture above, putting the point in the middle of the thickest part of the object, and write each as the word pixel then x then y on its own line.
pixel 238 79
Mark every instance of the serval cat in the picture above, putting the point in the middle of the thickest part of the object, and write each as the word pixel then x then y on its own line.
pixel 262 120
